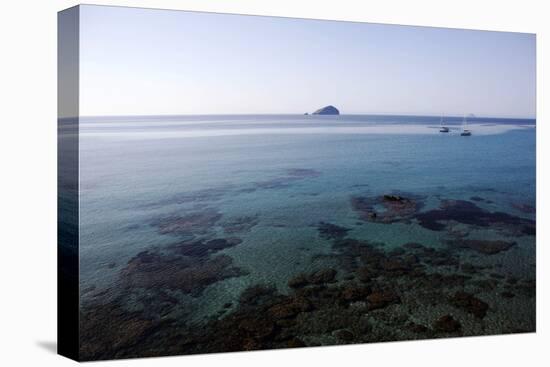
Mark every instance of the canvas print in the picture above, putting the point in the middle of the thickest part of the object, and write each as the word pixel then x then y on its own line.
pixel 236 183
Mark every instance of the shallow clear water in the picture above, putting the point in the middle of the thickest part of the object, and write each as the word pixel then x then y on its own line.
pixel 287 174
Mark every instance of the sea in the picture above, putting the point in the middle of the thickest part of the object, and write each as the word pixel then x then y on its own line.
pixel 266 184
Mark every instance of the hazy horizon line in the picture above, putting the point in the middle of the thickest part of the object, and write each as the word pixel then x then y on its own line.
pixel 309 114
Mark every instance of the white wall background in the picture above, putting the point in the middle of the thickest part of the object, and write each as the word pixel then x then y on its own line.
pixel 28 181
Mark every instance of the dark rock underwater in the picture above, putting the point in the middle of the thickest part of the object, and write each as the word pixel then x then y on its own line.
pixel 370 293
pixel 224 233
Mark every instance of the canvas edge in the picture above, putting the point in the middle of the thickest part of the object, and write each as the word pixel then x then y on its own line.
pixel 68 23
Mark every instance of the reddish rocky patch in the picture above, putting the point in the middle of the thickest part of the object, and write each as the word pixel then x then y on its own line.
pixel 469 303
pixel 107 329
pixel 189 224
pixel 393 208
pixel 202 248
pixel 155 271
pixel 447 324
pixel 331 231
pixel 485 247
pixel 381 299
pixel 467 212
pixel 318 277
pixel 240 224
pixel 290 308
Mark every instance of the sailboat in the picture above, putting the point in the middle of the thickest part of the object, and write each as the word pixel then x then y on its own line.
pixel 442 129
pixel 465 132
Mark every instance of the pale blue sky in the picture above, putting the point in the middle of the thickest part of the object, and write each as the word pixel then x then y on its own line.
pixel 141 61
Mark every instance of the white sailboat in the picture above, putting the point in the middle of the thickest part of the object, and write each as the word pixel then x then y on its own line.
pixel 442 129
pixel 465 132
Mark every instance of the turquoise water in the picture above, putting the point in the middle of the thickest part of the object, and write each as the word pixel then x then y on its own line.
pixel 285 175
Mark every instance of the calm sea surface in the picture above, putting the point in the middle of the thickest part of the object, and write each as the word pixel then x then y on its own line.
pixel 270 180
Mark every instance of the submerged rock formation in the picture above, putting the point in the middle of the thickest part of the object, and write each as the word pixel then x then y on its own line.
pixel 327 110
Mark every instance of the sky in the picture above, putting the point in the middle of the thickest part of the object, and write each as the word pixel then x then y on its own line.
pixel 155 62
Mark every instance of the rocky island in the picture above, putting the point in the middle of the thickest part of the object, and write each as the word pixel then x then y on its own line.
pixel 327 110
